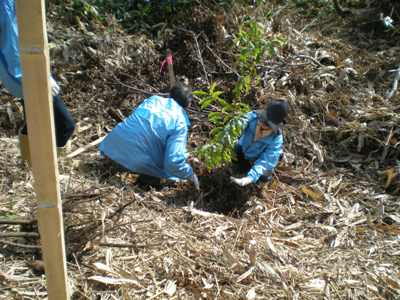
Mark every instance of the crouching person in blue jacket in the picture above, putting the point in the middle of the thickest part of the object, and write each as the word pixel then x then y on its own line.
pixel 152 140
pixel 261 145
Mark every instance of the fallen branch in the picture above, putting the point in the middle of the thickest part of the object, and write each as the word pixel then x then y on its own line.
pixel 223 63
pixel 201 213
pixel 195 111
pixel 5 221
pixel 136 89
pixel 343 12
pixel 122 245
pixel 116 114
pixel 120 209
pixel 84 148
pixel 395 84
pixel 19 245
pixel 200 57
pixel 18 234
pixel 387 145
pixel 310 58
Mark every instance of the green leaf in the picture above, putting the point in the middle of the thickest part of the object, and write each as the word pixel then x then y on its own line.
pixel 215 131
pixel 200 93
pixel 223 103
pixel 206 102
pixel 217 93
pixel 215 117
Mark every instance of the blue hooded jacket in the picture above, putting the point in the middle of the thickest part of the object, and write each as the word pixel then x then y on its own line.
pixel 10 68
pixel 152 140
pixel 263 153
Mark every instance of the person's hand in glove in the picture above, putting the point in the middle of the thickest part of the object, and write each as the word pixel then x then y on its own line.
pixel 55 88
pixel 196 182
pixel 195 162
pixel 242 181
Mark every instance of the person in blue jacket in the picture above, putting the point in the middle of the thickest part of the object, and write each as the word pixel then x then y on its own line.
pixel 260 147
pixel 152 140
pixel 11 73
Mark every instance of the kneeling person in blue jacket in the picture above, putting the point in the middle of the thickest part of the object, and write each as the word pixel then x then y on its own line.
pixel 152 140
pixel 261 144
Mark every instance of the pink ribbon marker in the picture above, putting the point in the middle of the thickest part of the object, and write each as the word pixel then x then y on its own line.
pixel 168 60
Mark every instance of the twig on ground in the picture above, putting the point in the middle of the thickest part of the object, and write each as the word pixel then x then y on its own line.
pixel 18 234
pixel 309 25
pixel 84 148
pixel 5 221
pixel 395 84
pixel 19 245
pixel 200 57
pixel 310 58
pixel 116 114
pixel 134 88
pixel 152 88
pixel 120 209
pixel 223 63
pixel 387 145
pixel 195 111
pixel 122 245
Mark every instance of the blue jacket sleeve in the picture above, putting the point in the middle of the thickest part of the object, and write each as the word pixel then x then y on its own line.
pixel 244 138
pixel 175 154
pixel 10 69
pixel 267 160
pixel 2 34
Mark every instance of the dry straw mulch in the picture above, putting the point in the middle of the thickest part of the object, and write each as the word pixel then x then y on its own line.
pixel 326 227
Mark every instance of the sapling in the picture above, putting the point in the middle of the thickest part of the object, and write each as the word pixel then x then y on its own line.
pixel 229 122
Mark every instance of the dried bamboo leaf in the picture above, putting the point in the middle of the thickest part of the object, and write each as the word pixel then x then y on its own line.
pixel 245 275
pixel 391 175
pixel 251 294
pixel 170 288
pixel 115 281
pixel 311 193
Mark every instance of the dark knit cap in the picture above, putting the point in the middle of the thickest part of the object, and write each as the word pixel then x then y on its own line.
pixel 182 94
pixel 275 113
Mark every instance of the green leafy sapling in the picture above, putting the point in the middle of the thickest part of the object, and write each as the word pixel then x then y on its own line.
pixel 229 121
pixel 253 46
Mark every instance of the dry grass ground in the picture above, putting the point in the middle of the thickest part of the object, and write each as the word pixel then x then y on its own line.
pixel 326 227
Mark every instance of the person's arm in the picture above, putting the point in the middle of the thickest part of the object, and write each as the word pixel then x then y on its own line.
pixel 175 154
pixel 239 144
pixel 10 73
pixel 268 160
pixel 2 35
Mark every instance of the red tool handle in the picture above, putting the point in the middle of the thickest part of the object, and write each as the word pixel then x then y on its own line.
pixel 168 60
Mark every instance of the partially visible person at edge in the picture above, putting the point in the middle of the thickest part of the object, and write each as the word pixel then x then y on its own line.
pixel 260 147
pixel 152 140
pixel 10 73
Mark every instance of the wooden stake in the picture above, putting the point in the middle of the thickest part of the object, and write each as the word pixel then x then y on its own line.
pixel 170 67
pixel 39 113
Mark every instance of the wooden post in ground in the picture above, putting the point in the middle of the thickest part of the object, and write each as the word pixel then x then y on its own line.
pixel 170 66
pixel 39 113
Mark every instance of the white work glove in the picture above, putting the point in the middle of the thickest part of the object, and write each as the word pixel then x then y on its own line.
pixel 55 88
pixel 242 181
pixel 196 182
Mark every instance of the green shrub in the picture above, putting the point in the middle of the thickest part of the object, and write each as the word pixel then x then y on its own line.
pixel 253 47
pixel 229 122
pixel 314 7
pixel 133 15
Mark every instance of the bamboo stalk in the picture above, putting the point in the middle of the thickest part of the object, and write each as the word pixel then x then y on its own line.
pixel 39 113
